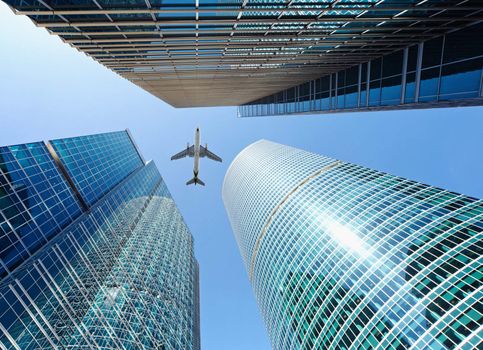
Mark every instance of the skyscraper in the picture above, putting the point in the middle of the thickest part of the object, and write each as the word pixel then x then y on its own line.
pixel 94 253
pixel 345 257
pixel 281 57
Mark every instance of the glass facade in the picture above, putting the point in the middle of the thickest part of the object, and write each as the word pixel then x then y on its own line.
pixel 97 162
pixel 94 252
pixel 345 257
pixel 219 52
pixel 442 72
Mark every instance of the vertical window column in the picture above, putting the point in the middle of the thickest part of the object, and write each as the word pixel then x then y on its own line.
pixel 481 83
pixel 330 92
pixel 418 71
pixel 359 82
pixel 368 79
pixel 404 72
pixel 312 95
pixel 441 67
pixel 284 105
pixel 336 104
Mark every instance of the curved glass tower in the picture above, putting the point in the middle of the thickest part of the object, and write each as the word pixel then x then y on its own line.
pixel 94 253
pixel 345 257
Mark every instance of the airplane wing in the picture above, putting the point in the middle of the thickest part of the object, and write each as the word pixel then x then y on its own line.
pixel 188 152
pixel 205 153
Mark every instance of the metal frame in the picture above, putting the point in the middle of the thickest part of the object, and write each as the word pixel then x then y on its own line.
pixel 419 65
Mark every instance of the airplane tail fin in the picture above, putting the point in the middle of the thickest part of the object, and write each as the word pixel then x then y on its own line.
pixel 195 181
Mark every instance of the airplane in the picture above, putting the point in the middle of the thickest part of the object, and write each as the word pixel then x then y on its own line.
pixel 197 151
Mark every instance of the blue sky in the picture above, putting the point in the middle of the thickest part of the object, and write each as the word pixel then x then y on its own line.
pixel 49 90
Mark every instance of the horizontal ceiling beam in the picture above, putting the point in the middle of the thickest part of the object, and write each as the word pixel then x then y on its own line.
pixel 303 52
pixel 140 55
pixel 215 21
pixel 200 72
pixel 200 32
pixel 308 41
pixel 228 59
pixel 242 39
pixel 250 10
pixel 274 66
pixel 228 73
pixel 232 60
pixel 148 46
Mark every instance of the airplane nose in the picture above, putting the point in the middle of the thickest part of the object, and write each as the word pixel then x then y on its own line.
pixel 197 129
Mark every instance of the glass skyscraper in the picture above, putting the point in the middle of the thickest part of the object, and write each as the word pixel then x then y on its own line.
pixel 279 56
pixel 345 257
pixel 94 253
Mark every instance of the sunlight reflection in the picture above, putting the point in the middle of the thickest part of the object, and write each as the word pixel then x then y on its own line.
pixel 345 236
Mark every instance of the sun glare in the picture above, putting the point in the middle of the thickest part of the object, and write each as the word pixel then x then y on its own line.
pixel 345 236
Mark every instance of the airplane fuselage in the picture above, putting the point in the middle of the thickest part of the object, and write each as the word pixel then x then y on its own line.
pixel 196 152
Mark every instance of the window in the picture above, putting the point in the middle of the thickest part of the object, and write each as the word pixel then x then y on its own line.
pixel 428 90
pixel 375 93
pixel 392 64
pixel 464 43
pixel 412 58
pixel 461 80
pixel 352 76
pixel 351 95
pixel 376 69
pixel 410 88
pixel 432 52
pixel 391 91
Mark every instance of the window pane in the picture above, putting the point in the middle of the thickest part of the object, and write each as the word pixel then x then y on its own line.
pixel 363 94
pixel 363 71
pixel 376 69
pixel 304 91
pixel 429 84
pixel 340 98
pixel 432 52
pixel 351 98
pixel 412 58
pixel 392 64
pixel 465 43
pixel 352 76
pixel 410 88
pixel 391 91
pixel 325 83
pixel 325 102
pixel 375 93
pixel 341 79
pixel 461 80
